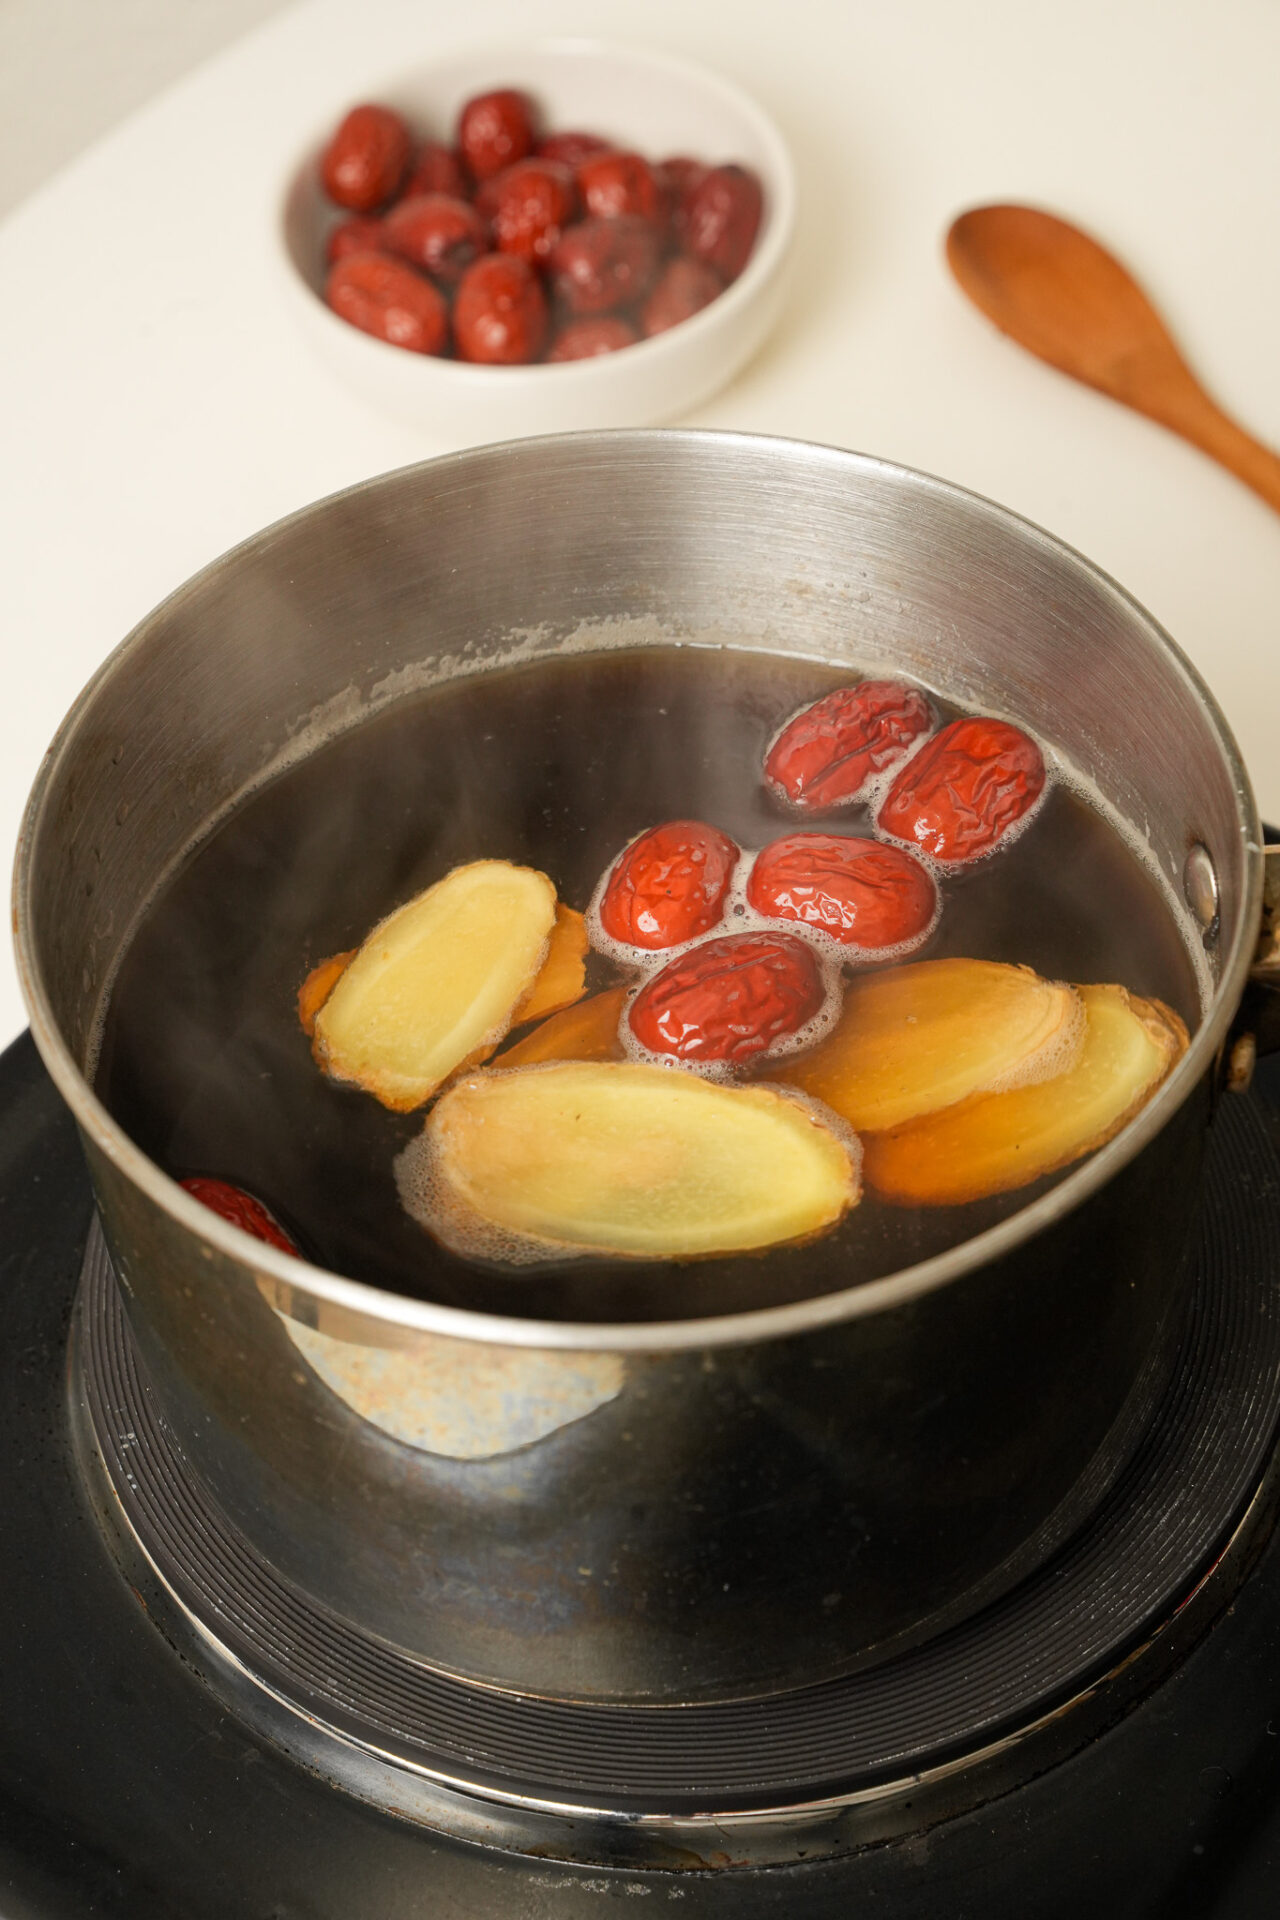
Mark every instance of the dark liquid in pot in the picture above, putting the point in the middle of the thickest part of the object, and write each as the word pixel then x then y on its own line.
pixel 553 765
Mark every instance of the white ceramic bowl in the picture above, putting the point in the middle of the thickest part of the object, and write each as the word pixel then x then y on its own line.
pixel 649 101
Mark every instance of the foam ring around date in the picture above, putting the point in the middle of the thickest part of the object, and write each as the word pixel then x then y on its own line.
pixel 813 990
pixel 841 891
pixel 1002 799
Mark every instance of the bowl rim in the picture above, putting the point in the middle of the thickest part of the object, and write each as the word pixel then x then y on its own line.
pixel 294 1281
pixel 766 260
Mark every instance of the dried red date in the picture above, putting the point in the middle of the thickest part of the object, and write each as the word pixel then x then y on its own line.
pixel 857 891
pixel 436 233
pixel 241 1209
pixel 366 159
pixel 437 169
pixel 678 176
pixel 682 289
pixel 500 312
pixel 388 299
pixel 529 206
pixel 964 789
pixel 570 149
pixel 495 130
pixel 585 339
pixel 668 886
pixel 598 264
pixel 612 183
pixel 729 1000
pixel 825 756
pixel 594 220
pixel 357 235
pixel 720 219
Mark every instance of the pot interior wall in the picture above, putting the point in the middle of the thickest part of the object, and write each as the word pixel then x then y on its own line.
pixel 589 541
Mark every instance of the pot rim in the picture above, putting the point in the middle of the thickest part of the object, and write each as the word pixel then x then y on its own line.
pixel 294 1280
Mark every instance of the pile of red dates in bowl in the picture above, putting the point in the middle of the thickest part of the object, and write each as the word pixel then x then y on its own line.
pixel 530 239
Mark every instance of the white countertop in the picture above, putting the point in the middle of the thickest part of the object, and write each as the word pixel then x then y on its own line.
pixel 158 407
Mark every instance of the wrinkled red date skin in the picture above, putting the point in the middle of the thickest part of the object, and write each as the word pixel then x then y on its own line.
pixel 530 205
pixel 613 183
pixel 388 299
pixel 598 265
pixel 683 288
pixel 437 169
pixel 357 235
pixel 669 885
pixel 720 218
pixel 437 234
pixel 366 159
pixel 585 339
pixel 500 312
pixel 964 789
pixel 241 1209
pixel 570 149
pixel 825 756
pixel 494 131
pixel 729 1000
pixel 857 891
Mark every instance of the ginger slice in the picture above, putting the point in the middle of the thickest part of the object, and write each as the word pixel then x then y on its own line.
pixel 916 1038
pixel 619 1158
pixel 564 971
pixel 995 1142
pixel 559 984
pixel 319 984
pixel 587 1030
pixel 437 984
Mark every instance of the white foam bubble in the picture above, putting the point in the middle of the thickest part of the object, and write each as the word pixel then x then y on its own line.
pixel 1057 1055
pixel 429 1197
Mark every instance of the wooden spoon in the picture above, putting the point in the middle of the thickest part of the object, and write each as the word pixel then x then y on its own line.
pixel 1063 297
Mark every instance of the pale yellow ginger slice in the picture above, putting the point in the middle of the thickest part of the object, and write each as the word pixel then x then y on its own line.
pixel 916 1038
pixel 437 984
pixel 996 1142
pixel 588 1030
pixel 563 975
pixel 617 1158
pixel 559 984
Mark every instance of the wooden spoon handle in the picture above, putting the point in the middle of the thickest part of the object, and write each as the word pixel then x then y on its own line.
pixel 1062 296
pixel 1206 426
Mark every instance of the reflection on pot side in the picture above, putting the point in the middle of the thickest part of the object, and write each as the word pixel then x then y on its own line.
pixel 457 1399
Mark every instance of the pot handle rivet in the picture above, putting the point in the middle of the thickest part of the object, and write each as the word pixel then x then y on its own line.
pixel 1200 889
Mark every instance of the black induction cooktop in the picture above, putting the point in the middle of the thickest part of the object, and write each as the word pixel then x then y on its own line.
pixel 127 1787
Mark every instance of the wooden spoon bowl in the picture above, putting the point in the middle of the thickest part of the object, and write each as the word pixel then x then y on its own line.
pixel 1058 293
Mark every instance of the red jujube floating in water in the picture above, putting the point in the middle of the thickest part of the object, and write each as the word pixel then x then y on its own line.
pixel 241 1209
pixel 857 891
pixel 825 756
pixel 729 1000
pixel 668 886
pixel 964 789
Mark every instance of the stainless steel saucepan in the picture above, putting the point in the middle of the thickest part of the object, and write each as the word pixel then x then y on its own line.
pixel 655 1513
